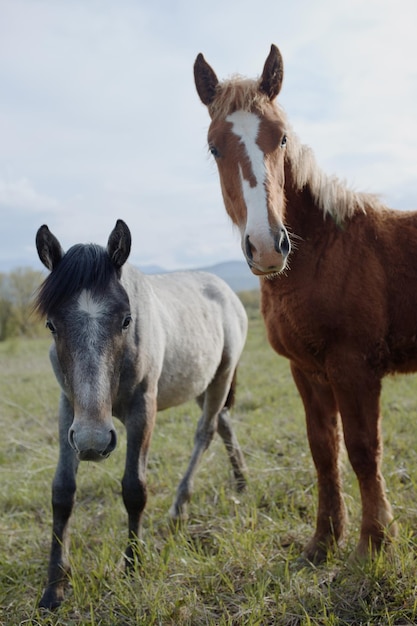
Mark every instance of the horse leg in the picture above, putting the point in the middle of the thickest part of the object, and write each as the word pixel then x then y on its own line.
pixel 63 495
pixel 206 428
pixel 214 416
pixel 360 411
pixel 234 451
pixel 139 428
pixel 324 436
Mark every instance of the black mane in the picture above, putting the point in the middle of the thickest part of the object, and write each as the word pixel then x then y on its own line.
pixel 82 267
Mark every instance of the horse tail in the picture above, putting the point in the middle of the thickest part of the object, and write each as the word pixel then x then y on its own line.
pixel 230 400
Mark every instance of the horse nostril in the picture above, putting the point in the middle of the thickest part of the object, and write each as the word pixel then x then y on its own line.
pixel 249 248
pixel 284 244
pixel 113 441
pixel 71 439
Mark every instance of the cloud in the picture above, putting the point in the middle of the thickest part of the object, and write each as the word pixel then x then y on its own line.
pixel 23 209
pixel 99 117
pixel 20 194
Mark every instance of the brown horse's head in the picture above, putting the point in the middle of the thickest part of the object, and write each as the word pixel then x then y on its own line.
pixel 247 137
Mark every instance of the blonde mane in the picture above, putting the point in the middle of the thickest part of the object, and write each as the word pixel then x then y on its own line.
pixel 332 195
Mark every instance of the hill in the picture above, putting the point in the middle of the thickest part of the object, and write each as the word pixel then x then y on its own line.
pixel 234 273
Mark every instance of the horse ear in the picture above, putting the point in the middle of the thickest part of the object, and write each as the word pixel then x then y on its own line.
pixel 119 243
pixel 273 73
pixel 205 80
pixel 48 247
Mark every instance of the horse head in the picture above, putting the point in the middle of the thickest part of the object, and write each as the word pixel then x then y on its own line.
pixel 88 314
pixel 247 137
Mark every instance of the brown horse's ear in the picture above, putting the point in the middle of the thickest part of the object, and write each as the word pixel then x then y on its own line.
pixel 273 73
pixel 205 79
pixel 119 243
pixel 48 247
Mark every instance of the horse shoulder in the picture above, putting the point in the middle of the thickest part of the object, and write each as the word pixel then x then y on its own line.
pixel 327 294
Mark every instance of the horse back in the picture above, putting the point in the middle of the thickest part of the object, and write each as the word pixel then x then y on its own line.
pixel 190 324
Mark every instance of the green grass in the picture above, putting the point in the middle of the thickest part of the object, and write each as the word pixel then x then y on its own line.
pixel 236 560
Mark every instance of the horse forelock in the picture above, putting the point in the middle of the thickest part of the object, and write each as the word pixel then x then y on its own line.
pixel 83 267
pixel 237 94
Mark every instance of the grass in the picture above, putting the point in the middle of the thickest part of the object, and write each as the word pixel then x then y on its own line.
pixel 236 561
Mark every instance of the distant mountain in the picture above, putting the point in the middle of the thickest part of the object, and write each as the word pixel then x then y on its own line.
pixel 234 273
pixel 153 269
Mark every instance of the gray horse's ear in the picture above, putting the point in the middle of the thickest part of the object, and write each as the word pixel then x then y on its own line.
pixel 205 80
pixel 48 247
pixel 119 244
pixel 273 74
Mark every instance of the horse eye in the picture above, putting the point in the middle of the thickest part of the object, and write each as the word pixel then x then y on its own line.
pixel 126 321
pixel 284 141
pixel 214 151
pixel 50 326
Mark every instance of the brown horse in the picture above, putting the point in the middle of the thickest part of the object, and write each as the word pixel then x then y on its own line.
pixel 341 305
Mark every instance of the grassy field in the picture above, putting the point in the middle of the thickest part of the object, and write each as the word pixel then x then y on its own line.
pixel 236 561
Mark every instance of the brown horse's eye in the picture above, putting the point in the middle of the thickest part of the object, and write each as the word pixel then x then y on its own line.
pixel 213 150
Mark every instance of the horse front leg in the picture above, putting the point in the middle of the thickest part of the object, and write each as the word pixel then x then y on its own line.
pixel 324 436
pixel 63 495
pixel 139 428
pixel 360 411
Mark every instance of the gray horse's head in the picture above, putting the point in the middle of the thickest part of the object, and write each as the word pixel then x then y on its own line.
pixel 88 313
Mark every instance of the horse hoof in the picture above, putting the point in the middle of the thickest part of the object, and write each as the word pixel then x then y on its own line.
pixel 315 553
pixel 301 563
pixel 177 522
pixel 241 484
pixel 178 514
pixel 50 601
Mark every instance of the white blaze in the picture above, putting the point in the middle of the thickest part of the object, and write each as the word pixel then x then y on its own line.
pixel 91 374
pixel 246 126
pixel 87 304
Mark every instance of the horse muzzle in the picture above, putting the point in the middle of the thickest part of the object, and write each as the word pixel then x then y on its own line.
pixel 92 443
pixel 266 258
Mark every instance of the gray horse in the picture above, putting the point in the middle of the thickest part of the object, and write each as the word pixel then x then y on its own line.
pixel 129 345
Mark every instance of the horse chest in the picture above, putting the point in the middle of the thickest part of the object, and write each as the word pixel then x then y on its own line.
pixel 295 329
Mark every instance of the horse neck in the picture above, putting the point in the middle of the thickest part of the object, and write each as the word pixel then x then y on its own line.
pixel 132 280
pixel 303 216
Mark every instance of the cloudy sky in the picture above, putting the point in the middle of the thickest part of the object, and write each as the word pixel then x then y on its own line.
pixel 99 118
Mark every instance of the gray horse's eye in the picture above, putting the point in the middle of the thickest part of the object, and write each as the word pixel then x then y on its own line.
pixel 284 141
pixel 51 326
pixel 126 321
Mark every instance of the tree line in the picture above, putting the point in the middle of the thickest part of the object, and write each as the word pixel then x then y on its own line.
pixel 17 290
